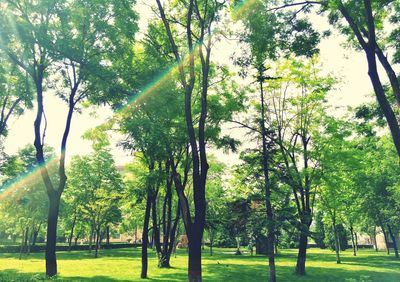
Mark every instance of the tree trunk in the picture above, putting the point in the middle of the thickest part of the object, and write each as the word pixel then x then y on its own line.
pixel 352 241
pixel 51 236
pixel 374 238
pixel 91 237
pixel 194 271
pixel 396 251
pixel 301 257
pixel 385 236
pixel 156 229
pixel 211 235
pixel 29 243
pixel 71 234
pixel 21 249
pixel 35 235
pixel 108 235
pixel 267 186
pixel 371 49
pixel 145 237
pixel 337 244
pixel 97 242
pixel 355 235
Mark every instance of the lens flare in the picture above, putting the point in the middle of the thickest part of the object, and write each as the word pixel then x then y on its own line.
pixel 23 181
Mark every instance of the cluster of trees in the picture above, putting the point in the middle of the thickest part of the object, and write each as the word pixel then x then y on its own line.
pixel 299 163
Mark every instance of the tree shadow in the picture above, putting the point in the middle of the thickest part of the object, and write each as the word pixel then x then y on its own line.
pixel 15 275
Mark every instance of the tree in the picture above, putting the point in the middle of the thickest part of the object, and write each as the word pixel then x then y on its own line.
pixel 198 27
pixel 96 188
pixel 40 42
pixel 15 93
pixel 364 24
pixel 296 103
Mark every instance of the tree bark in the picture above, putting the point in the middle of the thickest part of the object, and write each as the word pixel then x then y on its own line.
pixel 396 251
pixel 355 235
pixel 51 236
pixel 108 235
pixel 385 236
pixel 145 237
pixel 353 241
pixel 337 244
pixel 267 186
pixel 374 238
pixel 371 50
pixel 71 234
pixel 211 235
pixel 97 242
pixel 194 272
pixel 301 256
pixel 35 235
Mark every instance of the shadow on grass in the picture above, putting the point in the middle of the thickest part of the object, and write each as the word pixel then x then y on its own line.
pixel 9 275
pixel 286 273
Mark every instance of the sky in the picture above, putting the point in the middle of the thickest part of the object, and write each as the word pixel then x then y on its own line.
pixel 347 65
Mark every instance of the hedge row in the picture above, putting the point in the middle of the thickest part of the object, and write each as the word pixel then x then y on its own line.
pixel 41 248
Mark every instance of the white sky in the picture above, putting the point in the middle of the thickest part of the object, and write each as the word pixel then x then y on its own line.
pixel 348 65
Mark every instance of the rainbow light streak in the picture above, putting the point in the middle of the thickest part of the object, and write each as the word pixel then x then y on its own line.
pixel 24 180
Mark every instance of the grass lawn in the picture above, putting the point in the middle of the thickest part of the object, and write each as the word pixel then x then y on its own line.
pixel 124 265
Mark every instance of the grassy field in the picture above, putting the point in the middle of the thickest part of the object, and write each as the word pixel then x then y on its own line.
pixel 124 265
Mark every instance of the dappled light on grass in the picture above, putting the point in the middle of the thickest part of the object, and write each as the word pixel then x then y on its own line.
pixel 124 265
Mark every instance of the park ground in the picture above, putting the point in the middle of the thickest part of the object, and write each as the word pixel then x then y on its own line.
pixel 124 265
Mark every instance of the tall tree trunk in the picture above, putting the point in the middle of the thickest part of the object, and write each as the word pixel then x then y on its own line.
pixel 385 236
pixel 35 235
pixel 370 49
pixel 194 272
pixel 353 241
pixel 51 236
pixel 301 256
pixel 211 235
pixel 108 235
pixel 91 237
pixel 21 249
pixel 396 251
pixel 267 185
pixel 145 237
pixel 71 234
pixel 26 239
pixel 337 244
pixel 98 240
pixel 374 239
pixel 355 235
pixel 156 229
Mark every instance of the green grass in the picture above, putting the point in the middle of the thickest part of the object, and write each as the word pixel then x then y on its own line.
pixel 124 265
